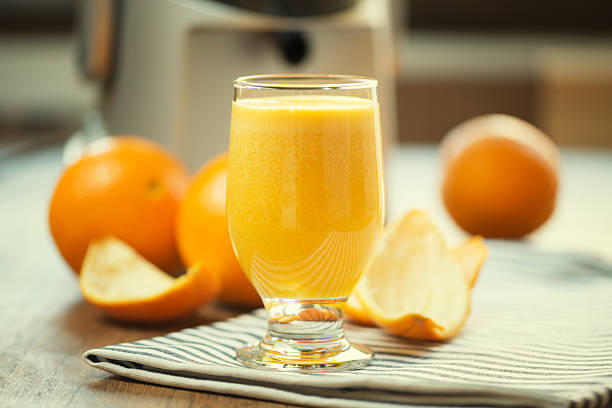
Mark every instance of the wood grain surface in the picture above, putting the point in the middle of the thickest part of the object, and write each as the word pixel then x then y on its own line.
pixel 46 325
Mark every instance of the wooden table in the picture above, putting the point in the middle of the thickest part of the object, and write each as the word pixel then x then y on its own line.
pixel 47 326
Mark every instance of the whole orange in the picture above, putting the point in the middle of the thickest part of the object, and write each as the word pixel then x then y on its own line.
pixel 127 187
pixel 500 176
pixel 202 234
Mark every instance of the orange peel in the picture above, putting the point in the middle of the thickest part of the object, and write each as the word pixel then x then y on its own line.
pixel 119 281
pixel 415 286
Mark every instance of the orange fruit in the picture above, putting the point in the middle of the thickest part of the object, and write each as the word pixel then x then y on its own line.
pixel 116 279
pixel 202 234
pixel 500 176
pixel 128 187
pixel 471 255
pixel 415 286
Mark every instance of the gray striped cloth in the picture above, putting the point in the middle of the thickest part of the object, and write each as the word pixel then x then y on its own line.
pixel 540 334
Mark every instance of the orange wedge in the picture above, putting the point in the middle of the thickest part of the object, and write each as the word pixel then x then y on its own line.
pixel 471 255
pixel 415 286
pixel 116 279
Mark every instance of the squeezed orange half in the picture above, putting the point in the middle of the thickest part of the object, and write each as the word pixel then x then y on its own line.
pixel 305 201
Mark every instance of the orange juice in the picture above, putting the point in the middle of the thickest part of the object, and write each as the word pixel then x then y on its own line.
pixel 305 203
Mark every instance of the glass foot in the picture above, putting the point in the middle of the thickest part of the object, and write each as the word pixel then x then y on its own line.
pixel 305 336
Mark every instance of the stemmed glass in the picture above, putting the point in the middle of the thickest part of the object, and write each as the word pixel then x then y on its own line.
pixel 305 208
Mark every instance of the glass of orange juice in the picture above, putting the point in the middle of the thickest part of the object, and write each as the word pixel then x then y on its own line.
pixel 305 208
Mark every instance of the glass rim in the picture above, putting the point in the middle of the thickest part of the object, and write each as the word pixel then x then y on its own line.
pixel 305 82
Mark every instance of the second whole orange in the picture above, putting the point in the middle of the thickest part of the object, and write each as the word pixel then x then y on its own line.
pixel 500 176
pixel 202 234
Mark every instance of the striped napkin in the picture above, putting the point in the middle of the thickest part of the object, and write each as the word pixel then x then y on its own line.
pixel 540 334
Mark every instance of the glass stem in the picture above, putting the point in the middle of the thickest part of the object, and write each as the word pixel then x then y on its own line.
pixel 305 327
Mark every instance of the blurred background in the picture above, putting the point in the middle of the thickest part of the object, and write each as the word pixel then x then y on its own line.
pixel 547 62
pixel 71 71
